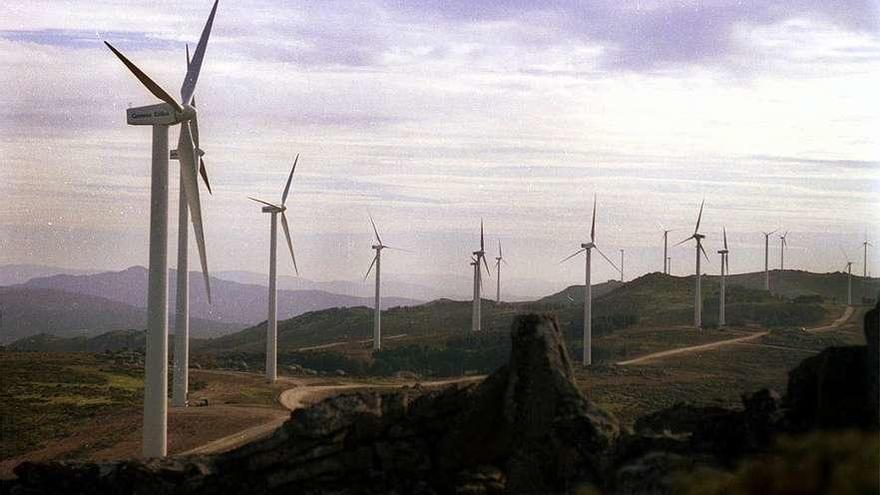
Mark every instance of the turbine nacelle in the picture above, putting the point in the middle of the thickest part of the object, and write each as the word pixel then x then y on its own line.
pixel 588 245
pixel 274 209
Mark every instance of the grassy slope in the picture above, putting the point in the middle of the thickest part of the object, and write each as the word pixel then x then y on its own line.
pixel 45 395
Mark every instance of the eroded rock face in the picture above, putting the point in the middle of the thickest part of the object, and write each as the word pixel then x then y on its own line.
pixel 525 429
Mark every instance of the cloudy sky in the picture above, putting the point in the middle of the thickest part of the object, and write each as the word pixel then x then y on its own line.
pixel 431 115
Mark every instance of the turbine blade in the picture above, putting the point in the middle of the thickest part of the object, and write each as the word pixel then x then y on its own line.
pixel 593 227
pixel 289 178
pixel 264 202
pixel 195 66
pixel 487 265
pixel 204 173
pixel 704 252
pixel 375 230
pixel 499 249
pixel 482 243
pixel 606 258
pixel 684 241
pixel 572 255
pixel 725 238
pixel 700 216
pixel 505 262
pixel 194 127
pixel 397 249
pixel 191 190
pixel 154 88
pixel 289 242
pixel 371 266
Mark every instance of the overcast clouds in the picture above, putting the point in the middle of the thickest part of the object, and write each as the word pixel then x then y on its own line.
pixel 432 114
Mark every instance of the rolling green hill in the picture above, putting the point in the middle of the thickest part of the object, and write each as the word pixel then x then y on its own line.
pixel 794 283
pixel 651 300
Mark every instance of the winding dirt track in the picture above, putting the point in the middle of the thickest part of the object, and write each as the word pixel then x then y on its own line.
pixel 297 398
pixel 739 340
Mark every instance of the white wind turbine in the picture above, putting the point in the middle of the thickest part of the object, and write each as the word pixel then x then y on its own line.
pixel 160 117
pixel 498 260
pixel 782 245
pixel 698 296
pixel 767 258
pixel 725 270
pixel 272 320
pixel 587 357
pixel 480 257
pixel 180 387
pixel 377 309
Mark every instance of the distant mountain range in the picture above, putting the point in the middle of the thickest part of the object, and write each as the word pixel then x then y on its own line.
pixel 27 311
pixel 232 302
pixel 87 304
pixel 414 286
pixel 19 274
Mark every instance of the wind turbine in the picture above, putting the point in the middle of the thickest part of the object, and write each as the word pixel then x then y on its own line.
pixel 479 256
pixel 377 311
pixel 272 320
pixel 782 245
pixel 498 260
pixel 767 258
pixel 587 248
pixel 180 387
pixel 725 270
pixel 160 117
pixel 698 296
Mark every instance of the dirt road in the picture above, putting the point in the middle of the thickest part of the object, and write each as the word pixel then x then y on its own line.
pixel 739 340
pixel 299 397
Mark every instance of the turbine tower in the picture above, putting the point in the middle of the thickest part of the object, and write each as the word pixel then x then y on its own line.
pixel 849 265
pixel 377 311
pixel 698 296
pixel 666 268
pixel 767 259
pixel 498 260
pixel 587 247
pixel 272 321
pixel 865 246
pixel 480 257
pixel 180 387
pixel 160 117
pixel 782 245
pixel 725 270
pixel 475 321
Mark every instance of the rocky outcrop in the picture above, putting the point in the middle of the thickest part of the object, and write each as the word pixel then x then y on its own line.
pixel 838 388
pixel 525 429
